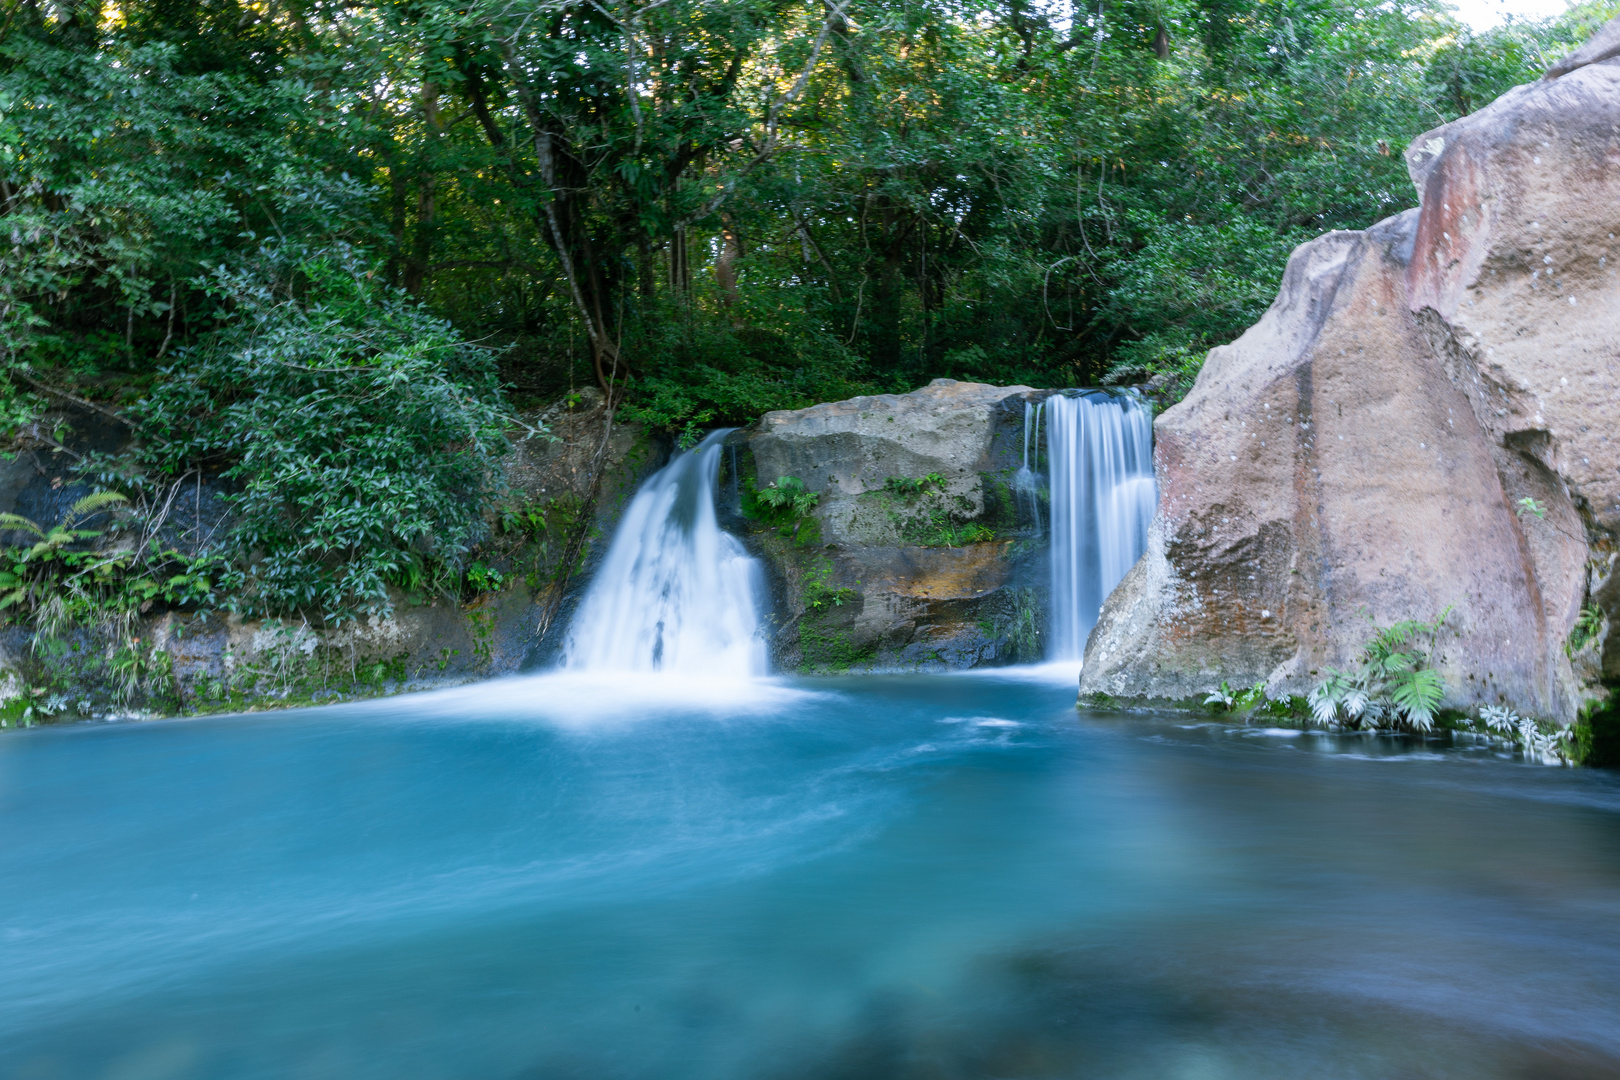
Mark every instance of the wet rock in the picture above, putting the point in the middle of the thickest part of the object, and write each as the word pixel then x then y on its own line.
pixel 915 555
pixel 1363 452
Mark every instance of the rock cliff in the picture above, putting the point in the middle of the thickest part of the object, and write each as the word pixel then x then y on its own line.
pixel 1365 450
pixel 914 555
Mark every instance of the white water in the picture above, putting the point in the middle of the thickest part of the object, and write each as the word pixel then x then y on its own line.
pixel 1026 481
pixel 675 592
pixel 1100 456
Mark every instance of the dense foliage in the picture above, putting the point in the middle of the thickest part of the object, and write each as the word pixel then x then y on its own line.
pixel 360 436
pixel 709 208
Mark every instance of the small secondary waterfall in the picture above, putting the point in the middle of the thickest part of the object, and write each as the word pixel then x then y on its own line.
pixel 675 592
pixel 1100 457
pixel 1026 481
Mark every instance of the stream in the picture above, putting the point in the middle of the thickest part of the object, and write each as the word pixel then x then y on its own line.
pixel 656 877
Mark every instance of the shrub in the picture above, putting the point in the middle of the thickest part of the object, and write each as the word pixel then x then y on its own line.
pixel 362 436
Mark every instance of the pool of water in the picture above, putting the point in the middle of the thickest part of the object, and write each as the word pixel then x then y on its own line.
pixel 933 877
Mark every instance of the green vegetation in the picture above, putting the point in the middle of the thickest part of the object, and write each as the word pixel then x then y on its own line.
pixel 786 496
pixel 1597 733
pixel 913 487
pixel 1022 628
pixel 1253 701
pixel 59 582
pixel 362 436
pixel 924 514
pixel 1393 684
pixel 819 593
pixel 1587 630
pixel 715 209
pixel 316 257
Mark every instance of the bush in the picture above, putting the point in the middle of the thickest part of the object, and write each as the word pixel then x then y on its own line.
pixel 361 435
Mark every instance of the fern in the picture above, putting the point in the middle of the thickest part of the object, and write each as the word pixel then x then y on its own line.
pixel 1393 684
pixel 788 493
pixel 1587 629
pixel 1417 694
pixel 907 487
pixel 91 504
pixel 20 524
pixel 1329 694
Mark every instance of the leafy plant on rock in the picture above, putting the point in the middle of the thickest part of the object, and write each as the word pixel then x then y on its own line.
pixel 932 518
pixel 1237 700
pixel 819 593
pixel 1392 685
pixel 1549 745
pixel 1588 628
pixel 910 487
pixel 787 493
pixel 62 579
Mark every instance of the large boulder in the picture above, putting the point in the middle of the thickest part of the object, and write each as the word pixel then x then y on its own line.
pixel 915 555
pixel 1365 450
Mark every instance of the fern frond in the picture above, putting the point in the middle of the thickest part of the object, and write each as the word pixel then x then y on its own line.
pixel 1325 698
pixel 1417 694
pixel 20 523
pixel 93 503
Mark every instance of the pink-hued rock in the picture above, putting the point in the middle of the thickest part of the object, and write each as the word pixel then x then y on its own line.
pixel 1361 452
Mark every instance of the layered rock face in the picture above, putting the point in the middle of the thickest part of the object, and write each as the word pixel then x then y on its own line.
pixel 914 555
pixel 1363 451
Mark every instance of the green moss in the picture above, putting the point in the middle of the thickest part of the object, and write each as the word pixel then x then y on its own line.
pixel 819 594
pixel 830 648
pixel 925 515
pixel 1597 734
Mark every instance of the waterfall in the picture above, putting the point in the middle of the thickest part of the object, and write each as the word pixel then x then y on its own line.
pixel 1100 457
pixel 675 592
pixel 1026 482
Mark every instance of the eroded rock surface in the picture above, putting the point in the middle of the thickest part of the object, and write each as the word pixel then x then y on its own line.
pixel 1363 451
pixel 883 579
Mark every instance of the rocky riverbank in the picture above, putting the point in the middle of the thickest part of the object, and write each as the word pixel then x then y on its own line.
pixel 1426 420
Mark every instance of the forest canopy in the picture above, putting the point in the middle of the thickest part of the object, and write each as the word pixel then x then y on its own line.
pixel 718 206
pixel 295 238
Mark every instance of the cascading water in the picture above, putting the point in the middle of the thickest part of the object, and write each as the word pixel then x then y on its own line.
pixel 1100 457
pixel 675 592
pixel 1026 483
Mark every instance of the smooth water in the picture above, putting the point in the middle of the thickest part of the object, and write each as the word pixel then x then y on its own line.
pixel 1027 482
pixel 1102 494
pixel 674 592
pixel 953 876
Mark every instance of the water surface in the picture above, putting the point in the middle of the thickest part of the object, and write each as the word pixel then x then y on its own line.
pixel 930 877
